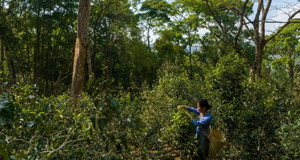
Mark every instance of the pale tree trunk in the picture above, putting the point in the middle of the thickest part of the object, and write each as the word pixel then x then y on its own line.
pixel 81 48
pixel 252 74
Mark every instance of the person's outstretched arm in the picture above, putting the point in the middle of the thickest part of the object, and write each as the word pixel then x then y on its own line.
pixel 190 109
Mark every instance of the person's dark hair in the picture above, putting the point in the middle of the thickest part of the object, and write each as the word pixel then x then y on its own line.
pixel 204 103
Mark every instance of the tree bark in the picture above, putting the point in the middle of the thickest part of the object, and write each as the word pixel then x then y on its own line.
pixel 81 48
pixel 252 74
pixel 258 61
pixel 191 66
pixel 148 36
pixel 35 54
pixel 292 71
pixel 12 75
pixel 94 52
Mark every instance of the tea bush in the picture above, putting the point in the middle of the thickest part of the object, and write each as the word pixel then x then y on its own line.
pixel 248 113
pixel 37 127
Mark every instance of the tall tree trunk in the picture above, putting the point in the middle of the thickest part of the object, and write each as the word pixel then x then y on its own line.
pixel 89 64
pixel 81 47
pixel 94 52
pixel 252 73
pixel 27 49
pixel 292 70
pixel 258 61
pixel 148 36
pixel 12 75
pixel 35 55
pixel 106 64
pixel 191 67
pixel 95 49
pixel 106 52
pixel 292 77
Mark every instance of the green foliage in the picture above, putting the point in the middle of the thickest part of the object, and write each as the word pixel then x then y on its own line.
pixel 248 113
pixel 284 50
pixel 181 134
pixel 52 128
pixel 43 33
pixel 159 106
pixel 226 80
pixel 130 110
pixel 289 138
pixel 157 9
pixel 3 150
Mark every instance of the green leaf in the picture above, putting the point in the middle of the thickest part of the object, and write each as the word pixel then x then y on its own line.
pixel 101 123
pixel 48 128
pixel 4 84
pixel 4 121
pixel 93 119
pixel 30 124
pixel 13 157
pixel 6 104
pixel 114 104
pixel 101 107
pixel 6 94
pixel 47 108
pixel 3 151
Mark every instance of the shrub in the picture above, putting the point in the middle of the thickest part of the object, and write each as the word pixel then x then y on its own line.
pixel 248 113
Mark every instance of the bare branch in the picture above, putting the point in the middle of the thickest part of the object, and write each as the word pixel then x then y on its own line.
pixel 214 16
pixel 236 47
pixel 258 10
pixel 263 19
pixel 241 22
pixel 249 31
pixel 276 21
pixel 282 27
pixel 256 20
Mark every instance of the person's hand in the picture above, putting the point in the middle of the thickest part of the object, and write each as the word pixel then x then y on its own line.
pixel 183 106
pixel 189 115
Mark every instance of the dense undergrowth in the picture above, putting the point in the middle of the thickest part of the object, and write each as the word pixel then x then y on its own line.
pixel 260 120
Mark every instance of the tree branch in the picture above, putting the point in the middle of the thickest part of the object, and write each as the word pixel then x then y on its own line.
pixel 263 19
pixel 282 27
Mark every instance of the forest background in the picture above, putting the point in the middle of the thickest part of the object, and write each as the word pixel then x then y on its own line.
pixel 131 84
